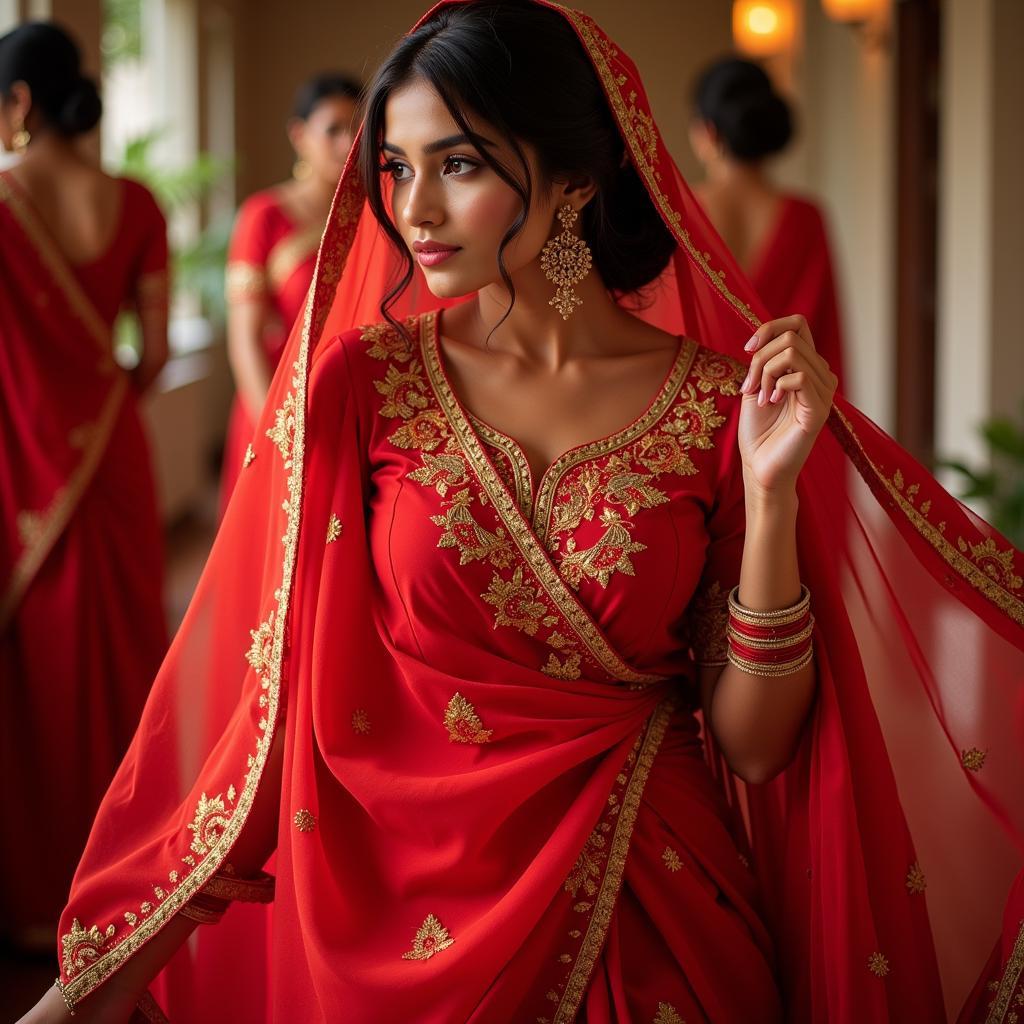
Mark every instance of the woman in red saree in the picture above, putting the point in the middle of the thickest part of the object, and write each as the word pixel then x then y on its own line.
pixel 779 238
pixel 273 253
pixel 467 673
pixel 81 618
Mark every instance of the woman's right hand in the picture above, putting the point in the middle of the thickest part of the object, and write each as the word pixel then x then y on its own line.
pixel 108 1005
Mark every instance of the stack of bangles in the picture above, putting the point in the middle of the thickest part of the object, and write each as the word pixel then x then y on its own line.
pixel 225 887
pixel 772 643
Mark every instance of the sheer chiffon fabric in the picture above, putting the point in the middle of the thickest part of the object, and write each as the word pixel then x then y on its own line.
pixel 457 736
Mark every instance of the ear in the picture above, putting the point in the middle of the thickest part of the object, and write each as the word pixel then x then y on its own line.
pixel 19 101
pixel 578 191
pixel 296 130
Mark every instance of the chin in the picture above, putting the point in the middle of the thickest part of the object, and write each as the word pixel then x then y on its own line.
pixel 451 286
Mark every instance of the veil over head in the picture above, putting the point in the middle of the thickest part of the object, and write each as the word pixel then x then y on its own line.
pixel 885 852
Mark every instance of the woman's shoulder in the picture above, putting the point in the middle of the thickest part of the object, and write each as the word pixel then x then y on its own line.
pixel 263 206
pixel 367 352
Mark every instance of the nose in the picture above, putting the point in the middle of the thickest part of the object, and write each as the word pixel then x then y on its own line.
pixel 422 204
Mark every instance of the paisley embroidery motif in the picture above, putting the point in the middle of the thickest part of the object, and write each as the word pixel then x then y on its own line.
pixel 463 723
pixel 463 532
pixel 610 554
pixel 431 938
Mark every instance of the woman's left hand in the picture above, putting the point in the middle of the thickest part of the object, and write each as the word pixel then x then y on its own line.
pixel 786 399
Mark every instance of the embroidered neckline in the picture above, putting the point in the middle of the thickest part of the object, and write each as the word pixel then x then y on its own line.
pixel 536 498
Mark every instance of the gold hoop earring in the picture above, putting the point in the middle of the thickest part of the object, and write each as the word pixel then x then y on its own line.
pixel 20 139
pixel 566 260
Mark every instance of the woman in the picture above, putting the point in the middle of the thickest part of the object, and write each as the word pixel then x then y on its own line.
pixel 476 648
pixel 779 239
pixel 273 253
pixel 81 619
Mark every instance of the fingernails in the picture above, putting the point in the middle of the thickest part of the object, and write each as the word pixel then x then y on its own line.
pixel 775 396
pixel 751 345
pixel 761 397
pixel 745 384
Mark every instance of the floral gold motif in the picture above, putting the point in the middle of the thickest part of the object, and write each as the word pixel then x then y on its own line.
pixel 915 882
pixel 250 456
pixel 334 528
pixel 667 1015
pixel 360 722
pixel 586 872
pixel 516 603
pixel 211 818
pixel 463 532
pixel 974 759
pixel 431 938
pixel 672 859
pixel 566 260
pixel 610 554
pixel 878 965
pixel 463 723
pixel 304 820
pixel 81 946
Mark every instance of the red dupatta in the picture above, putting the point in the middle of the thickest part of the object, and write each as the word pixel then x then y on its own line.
pixel 873 896
pixel 60 394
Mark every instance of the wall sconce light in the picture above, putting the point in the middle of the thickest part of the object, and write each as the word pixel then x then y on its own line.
pixel 763 28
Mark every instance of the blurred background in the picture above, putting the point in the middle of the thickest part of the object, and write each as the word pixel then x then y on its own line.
pixel 909 136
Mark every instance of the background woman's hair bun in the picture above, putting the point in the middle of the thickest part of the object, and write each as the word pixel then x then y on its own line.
pixel 81 109
pixel 737 98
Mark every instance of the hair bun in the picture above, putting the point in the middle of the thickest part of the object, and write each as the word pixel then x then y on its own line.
pixel 81 109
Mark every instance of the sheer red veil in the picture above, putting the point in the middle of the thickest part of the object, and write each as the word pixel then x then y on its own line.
pixel 885 852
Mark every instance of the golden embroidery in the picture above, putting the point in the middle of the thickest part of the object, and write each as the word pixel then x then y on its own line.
pixel 667 1015
pixel 463 723
pixel 672 859
pixel 386 342
pixel 610 554
pixel 244 281
pixel 131 918
pixel 716 372
pixel 30 526
pixel 290 253
pixel 662 453
pixel 1007 985
pixel 431 938
pixel 440 471
pixel 210 819
pixel 915 882
pixel 707 621
pixel 282 433
pixel 974 759
pixel 694 423
pixel 996 564
pixel 250 456
pixel 631 490
pixel 304 820
pixel 586 872
pixel 425 430
pixel 260 652
pixel 578 504
pixel 402 391
pixel 360 722
pixel 516 603
pixel 512 467
pixel 878 965
pixel 463 532
pixel 334 528
pixel 81 946
pixel 568 668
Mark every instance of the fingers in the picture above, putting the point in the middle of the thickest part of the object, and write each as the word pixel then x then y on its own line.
pixel 807 390
pixel 786 354
pixel 771 329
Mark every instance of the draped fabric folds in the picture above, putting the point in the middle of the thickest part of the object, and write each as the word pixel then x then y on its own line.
pixel 494 805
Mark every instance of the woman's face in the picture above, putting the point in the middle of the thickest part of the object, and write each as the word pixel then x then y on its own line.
pixel 450 207
pixel 325 137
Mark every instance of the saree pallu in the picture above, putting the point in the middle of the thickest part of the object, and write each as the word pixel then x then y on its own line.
pixel 457 736
pixel 81 617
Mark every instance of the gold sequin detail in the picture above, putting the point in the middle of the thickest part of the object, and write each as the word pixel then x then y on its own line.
pixel 360 722
pixel 304 820
pixel 671 859
pixel 250 456
pixel 878 965
pixel 463 723
pixel 915 882
pixel 334 528
pixel 667 1015
pixel 586 872
pixel 82 946
pixel 974 759
pixel 210 820
pixel 431 938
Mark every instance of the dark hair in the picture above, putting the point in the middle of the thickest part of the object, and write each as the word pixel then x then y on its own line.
pixel 751 118
pixel 324 86
pixel 520 67
pixel 45 58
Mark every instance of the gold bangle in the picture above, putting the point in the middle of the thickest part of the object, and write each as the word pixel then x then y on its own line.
pixel 773 643
pixel 67 1002
pixel 227 886
pixel 770 671
pixel 777 617
pixel 202 915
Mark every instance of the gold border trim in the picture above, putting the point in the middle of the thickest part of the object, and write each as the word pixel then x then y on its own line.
pixel 519 528
pixel 999 596
pixel 604 904
pixel 1011 975
pixel 515 455
pixel 64 503
pixel 287 255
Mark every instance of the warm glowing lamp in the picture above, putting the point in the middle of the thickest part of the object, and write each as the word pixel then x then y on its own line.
pixel 854 11
pixel 762 28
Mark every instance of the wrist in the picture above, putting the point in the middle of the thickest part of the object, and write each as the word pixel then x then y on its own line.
pixel 775 504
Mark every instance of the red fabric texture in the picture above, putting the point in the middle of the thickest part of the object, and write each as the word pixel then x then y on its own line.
pixel 794 270
pixel 465 704
pixel 262 226
pixel 82 626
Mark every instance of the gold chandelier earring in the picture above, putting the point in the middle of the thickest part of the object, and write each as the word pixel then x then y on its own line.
pixel 566 260
pixel 20 139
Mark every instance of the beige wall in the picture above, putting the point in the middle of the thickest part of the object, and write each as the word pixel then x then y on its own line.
pixel 669 41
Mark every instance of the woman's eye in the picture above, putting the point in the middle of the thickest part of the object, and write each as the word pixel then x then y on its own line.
pixel 459 165
pixel 399 172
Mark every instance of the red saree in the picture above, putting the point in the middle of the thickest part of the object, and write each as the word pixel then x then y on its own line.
pixel 270 261
pixel 793 270
pixel 494 806
pixel 81 616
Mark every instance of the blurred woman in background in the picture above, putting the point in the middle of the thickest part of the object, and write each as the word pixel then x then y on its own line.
pixel 81 617
pixel 273 252
pixel 779 239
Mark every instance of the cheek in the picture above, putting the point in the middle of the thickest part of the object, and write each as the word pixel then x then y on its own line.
pixel 485 213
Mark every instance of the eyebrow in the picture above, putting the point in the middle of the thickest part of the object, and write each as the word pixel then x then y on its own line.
pixel 436 147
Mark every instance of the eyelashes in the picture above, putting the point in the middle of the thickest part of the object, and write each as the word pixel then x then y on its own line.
pixel 395 167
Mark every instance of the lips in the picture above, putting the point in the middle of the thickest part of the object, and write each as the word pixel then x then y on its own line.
pixel 430 254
